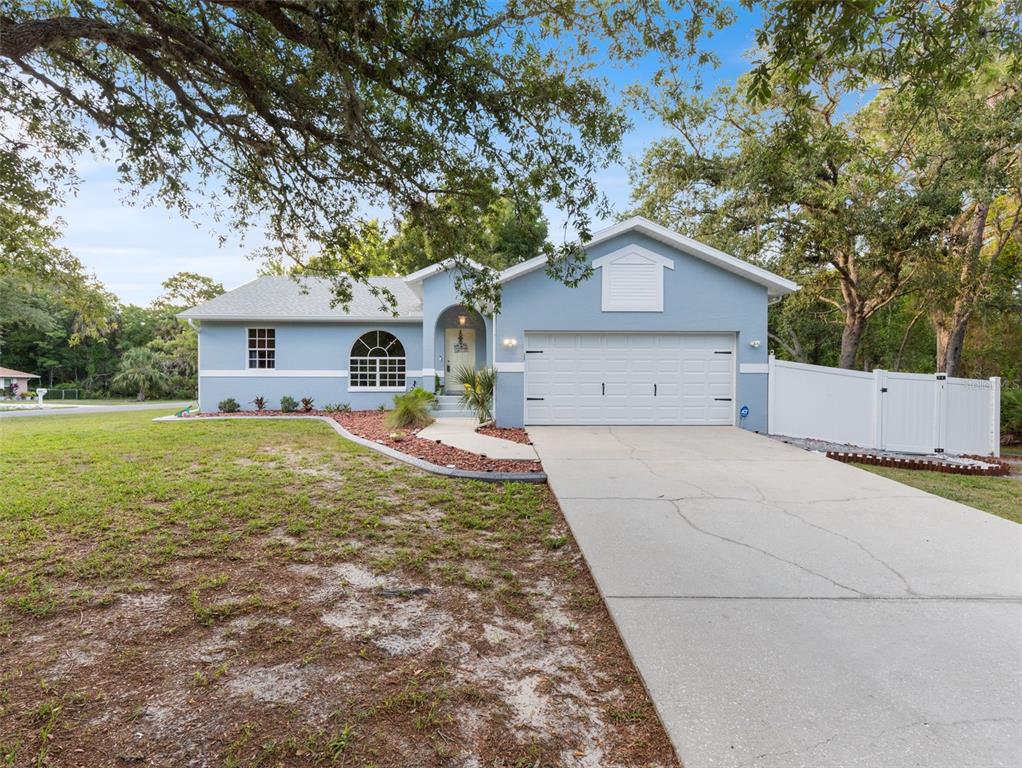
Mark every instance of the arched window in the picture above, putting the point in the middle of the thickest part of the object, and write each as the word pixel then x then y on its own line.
pixel 377 362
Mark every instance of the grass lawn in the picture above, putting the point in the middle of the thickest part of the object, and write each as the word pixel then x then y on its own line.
pixel 111 401
pixel 242 593
pixel 1001 496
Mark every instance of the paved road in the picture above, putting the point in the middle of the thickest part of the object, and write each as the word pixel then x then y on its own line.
pixel 80 409
pixel 788 610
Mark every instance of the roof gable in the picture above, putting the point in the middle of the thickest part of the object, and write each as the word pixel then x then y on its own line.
pixel 775 284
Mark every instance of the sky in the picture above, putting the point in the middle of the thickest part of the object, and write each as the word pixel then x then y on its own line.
pixel 132 249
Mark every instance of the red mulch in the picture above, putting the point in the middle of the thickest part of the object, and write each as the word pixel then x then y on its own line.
pixel 514 434
pixel 371 426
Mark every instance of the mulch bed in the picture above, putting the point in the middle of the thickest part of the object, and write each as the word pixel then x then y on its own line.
pixel 514 434
pixel 371 426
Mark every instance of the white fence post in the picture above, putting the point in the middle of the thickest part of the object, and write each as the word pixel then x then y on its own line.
pixel 879 385
pixel 771 392
pixel 995 415
pixel 940 406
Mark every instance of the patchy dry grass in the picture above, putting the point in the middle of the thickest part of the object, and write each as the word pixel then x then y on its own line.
pixel 1001 496
pixel 238 593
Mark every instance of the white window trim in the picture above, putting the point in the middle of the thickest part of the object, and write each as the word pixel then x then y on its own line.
pixel 388 388
pixel 249 348
pixel 628 250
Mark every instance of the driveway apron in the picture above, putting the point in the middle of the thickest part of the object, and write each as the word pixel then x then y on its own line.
pixel 787 610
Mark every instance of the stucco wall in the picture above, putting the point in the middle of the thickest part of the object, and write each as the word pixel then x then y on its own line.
pixel 439 294
pixel 310 361
pixel 697 297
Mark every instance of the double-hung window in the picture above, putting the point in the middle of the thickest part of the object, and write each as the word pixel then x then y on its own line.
pixel 377 362
pixel 262 348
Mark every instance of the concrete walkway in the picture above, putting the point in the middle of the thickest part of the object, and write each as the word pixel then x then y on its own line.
pixel 65 410
pixel 461 433
pixel 788 610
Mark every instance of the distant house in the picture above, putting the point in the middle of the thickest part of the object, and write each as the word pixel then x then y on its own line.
pixel 666 331
pixel 9 376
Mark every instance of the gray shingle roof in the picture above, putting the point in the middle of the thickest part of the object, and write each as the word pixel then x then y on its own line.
pixel 307 298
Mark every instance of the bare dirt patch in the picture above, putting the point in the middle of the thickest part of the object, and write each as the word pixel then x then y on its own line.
pixel 343 610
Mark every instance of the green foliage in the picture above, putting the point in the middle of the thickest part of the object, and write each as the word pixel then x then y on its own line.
pixel 477 389
pixel 230 405
pixel 187 289
pixel 411 409
pixel 140 371
pixel 416 101
pixel 288 404
pixel 1011 412
pixel 924 46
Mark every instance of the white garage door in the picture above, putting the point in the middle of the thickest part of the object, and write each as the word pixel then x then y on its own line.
pixel 629 378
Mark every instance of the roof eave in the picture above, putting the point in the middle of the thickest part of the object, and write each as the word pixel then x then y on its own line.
pixel 248 318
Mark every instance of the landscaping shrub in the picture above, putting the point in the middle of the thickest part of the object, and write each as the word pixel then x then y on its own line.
pixel 477 386
pixel 345 408
pixel 259 402
pixel 230 405
pixel 411 409
pixel 1011 414
pixel 288 404
pixel 307 403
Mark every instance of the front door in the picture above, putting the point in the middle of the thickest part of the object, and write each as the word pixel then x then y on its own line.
pixel 460 352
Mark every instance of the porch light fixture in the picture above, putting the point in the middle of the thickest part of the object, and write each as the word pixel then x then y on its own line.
pixel 509 343
pixel 462 320
pixel 754 343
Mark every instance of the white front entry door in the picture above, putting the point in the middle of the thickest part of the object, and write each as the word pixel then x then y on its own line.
pixel 459 352
pixel 629 378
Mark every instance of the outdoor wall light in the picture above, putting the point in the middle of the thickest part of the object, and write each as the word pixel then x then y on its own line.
pixel 509 343
pixel 462 320
pixel 754 343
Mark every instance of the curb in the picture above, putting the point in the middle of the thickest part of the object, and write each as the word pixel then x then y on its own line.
pixel 997 469
pixel 386 450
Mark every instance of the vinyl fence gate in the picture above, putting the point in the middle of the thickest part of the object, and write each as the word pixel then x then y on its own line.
pixel 887 410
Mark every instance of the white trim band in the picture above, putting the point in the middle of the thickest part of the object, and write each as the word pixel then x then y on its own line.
pixel 754 368
pixel 274 373
pixel 509 367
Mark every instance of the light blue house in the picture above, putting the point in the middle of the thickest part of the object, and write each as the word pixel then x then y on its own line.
pixel 667 331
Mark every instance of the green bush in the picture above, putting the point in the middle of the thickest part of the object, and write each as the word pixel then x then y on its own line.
pixel 1011 412
pixel 230 405
pixel 288 404
pixel 411 409
pixel 477 390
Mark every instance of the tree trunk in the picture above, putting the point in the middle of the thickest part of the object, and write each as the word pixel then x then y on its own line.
pixel 851 338
pixel 141 394
pixel 950 341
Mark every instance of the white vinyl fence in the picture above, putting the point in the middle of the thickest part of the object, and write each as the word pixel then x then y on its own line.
pixel 908 412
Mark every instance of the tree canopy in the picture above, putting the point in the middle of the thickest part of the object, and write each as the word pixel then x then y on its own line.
pixel 304 113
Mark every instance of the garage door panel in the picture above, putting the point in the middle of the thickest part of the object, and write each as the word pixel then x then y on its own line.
pixel 609 378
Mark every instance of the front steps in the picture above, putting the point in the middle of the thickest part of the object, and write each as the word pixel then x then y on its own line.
pixel 449 407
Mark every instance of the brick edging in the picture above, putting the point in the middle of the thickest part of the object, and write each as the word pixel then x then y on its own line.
pixel 386 450
pixel 999 469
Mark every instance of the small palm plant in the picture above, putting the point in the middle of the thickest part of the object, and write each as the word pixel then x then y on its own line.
pixel 411 409
pixel 140 369
pixel 477 389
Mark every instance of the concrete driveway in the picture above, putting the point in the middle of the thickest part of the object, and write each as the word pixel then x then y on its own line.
pixel 788 610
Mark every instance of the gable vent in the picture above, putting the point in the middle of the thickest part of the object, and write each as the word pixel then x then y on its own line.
pixel 633 280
